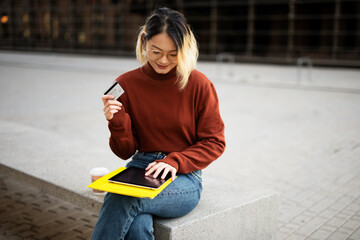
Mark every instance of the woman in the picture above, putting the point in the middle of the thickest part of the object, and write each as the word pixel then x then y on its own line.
pixel 168 120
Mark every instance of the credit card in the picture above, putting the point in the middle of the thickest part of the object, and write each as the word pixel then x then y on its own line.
pixel 115 90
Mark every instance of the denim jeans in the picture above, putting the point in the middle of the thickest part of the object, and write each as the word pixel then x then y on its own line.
pixel 124 217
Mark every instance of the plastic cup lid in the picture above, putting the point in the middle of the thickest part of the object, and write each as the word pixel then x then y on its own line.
pixel 99 171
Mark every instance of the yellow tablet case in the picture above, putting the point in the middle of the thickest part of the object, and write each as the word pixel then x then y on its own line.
pixel 104 185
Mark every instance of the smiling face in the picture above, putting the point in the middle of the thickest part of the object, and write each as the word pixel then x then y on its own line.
pixel 161 53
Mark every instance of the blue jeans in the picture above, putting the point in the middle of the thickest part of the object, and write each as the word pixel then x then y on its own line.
pixel 124 217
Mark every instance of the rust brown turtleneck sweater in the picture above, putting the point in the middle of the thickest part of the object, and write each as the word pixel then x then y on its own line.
pixel 157 116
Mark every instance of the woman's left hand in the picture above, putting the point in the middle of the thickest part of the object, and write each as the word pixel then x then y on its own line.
pixel 156 168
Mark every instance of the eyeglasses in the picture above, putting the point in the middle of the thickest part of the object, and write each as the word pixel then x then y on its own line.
pixel 158 54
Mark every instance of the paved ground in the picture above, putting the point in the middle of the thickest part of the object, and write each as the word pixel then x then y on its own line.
pixel 27 213
pixel 301 140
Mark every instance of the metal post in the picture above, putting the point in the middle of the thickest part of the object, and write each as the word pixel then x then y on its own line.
pixel 72 26
pixel 291 19
pixel 221 59
pixel 12 25
pixel 250 30
pixel 336 29
pixel 300 62
pixel 213 27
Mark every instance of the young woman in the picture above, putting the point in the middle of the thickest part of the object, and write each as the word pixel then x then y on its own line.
pixel 168 121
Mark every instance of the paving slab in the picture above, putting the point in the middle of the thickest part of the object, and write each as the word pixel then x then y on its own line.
pixel 29 213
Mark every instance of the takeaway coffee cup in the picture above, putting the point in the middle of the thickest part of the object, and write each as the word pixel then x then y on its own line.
pixel 97 173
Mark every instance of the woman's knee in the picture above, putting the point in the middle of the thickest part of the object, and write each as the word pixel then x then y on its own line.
pixel 141 228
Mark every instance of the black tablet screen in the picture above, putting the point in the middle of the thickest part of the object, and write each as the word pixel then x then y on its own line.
pixel 136 177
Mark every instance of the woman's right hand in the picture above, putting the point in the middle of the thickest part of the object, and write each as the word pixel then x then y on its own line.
pixel 111 106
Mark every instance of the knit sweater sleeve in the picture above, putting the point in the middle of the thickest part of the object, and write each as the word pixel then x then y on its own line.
pixel 210 136
pixel 123 141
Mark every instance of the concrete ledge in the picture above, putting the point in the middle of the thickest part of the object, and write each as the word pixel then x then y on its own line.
pixel 225 211
pixel 92 204
pixel 60 166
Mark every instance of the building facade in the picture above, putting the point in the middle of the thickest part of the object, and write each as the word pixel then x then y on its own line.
pixel 277 31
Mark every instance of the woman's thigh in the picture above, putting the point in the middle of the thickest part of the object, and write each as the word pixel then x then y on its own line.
pixel 177 199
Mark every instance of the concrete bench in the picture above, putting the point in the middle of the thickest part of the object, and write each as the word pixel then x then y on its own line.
pixel 223 212
pixel 61 168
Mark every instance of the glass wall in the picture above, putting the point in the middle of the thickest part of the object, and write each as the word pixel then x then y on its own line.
pixel 278 31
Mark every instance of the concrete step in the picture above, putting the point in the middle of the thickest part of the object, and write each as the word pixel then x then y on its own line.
pixel 60 166
pixel 226 211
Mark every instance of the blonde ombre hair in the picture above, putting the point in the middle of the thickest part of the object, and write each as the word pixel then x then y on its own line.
pixel 175 25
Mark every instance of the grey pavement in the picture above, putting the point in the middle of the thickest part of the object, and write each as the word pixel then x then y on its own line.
pixel 302 140
pixel 26 213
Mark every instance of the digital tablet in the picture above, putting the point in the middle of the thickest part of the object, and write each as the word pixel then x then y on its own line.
pixel 136 177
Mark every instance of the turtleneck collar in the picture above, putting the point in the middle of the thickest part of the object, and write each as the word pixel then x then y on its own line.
pixel 149 71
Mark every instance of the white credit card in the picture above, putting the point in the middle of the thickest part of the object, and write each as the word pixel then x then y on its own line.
pixel 115 90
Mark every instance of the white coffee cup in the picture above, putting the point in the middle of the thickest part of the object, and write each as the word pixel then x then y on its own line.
pixel 97 173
